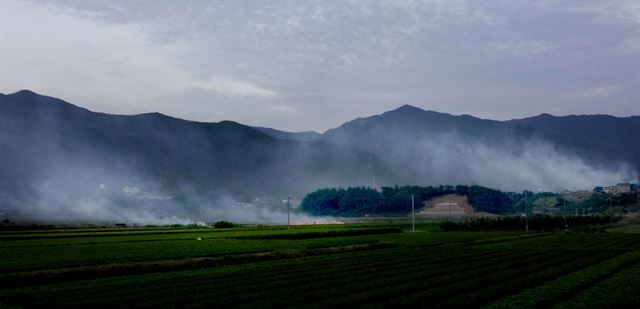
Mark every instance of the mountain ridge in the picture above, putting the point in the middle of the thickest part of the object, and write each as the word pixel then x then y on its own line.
pixel 401 108
pixel 55 153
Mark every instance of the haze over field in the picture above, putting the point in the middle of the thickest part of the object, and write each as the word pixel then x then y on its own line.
pixel 306 67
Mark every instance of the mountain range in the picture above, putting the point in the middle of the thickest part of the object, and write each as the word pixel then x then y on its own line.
pixel 53 152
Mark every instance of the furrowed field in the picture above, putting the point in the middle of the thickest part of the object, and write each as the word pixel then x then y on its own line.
pixel 351 265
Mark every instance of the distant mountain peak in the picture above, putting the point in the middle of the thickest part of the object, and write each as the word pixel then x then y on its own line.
pixel 152 114
pixel 546 115
pixel 411 112
pixel 407 107
pixel 24 92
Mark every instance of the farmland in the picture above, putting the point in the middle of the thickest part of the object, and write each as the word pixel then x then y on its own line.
pixel 352 265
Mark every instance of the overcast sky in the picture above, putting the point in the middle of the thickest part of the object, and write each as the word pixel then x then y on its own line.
pixel 314 65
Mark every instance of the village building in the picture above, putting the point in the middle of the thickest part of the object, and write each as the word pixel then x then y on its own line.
pixel 623 188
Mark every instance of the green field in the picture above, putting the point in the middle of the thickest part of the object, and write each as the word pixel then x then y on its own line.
pixel 352 265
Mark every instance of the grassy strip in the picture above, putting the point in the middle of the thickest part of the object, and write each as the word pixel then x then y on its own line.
pixel 327 234
pixel 503 239
pixel 124 232
pixel 631 229
pixel 619 291
pixel 46 257
pixel 120 269
pixel 560 288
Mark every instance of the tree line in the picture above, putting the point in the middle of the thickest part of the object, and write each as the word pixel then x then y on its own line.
pixel 533 223
pixel 359 201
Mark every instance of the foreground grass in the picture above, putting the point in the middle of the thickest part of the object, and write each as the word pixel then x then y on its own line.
pixel 377 265
pixel 631 229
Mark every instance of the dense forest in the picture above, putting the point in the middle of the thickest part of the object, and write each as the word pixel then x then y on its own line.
pixel 392 200
pixel 360 201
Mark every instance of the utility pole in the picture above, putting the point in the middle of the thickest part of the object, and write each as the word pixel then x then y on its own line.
pixel 413 214
pixel 289 211
pixel 526 213
pixel 564 213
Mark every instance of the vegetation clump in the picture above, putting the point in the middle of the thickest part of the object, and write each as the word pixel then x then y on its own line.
pixel 325 234
pixel 363 201
pixel 535 223
pixel 392 200
pixel 224 225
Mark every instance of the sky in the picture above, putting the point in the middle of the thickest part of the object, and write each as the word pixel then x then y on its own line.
pixel 313 65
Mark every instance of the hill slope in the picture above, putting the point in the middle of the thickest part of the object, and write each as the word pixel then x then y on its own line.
pixel 600 138
pixel 64 161
pixel 54 153
pixel 430 147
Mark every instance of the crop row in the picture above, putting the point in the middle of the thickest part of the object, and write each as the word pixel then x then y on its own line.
pixel 534 223
pixel 217 286
pixel 323 234
pixel 362 276
pixel 419 270
pixel 314 264
pixel 43 256
pixel 410 287
pixel 328 281
pixel 553 291
pixel 619 291
pixel 510 283
pixel 568 241
pixel 316 267
pixel 119 269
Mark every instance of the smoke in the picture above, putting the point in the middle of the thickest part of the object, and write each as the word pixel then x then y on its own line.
pixel 92 196
pixel 71 188
pixel 52 203
pixel 78 189
pixel 507 164
pixel 226 208
pixel 533 165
